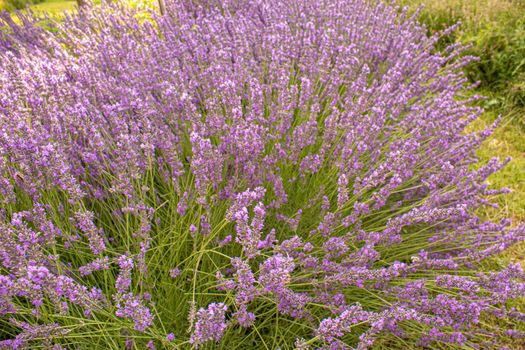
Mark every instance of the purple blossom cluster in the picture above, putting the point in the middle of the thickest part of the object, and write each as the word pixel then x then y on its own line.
pixel 277 161
pixel 210 324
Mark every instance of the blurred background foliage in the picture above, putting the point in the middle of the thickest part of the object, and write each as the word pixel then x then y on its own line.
pixel 11 5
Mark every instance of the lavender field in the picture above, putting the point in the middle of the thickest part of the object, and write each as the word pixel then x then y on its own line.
pixel 250 174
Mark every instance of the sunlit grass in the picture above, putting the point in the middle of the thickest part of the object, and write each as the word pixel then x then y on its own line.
pixel 54 7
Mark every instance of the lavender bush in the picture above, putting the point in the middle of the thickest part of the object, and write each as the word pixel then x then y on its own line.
pixel 245 174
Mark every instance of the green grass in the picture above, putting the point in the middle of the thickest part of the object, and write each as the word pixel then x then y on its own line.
pixel 51 8
pixel 54 7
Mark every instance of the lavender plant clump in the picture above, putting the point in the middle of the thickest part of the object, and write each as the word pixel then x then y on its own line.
pixel 248 173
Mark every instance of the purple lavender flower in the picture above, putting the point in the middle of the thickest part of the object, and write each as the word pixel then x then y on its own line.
pixel 124 278
pixel 131 307
pixel 210 324
pixel 174 273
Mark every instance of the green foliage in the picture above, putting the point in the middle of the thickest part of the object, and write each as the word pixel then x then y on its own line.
pixel 11 5
pixel 501 65
pixel 54 8
pixel 496 31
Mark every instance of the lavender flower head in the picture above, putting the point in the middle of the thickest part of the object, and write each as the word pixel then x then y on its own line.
pixel 210 324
